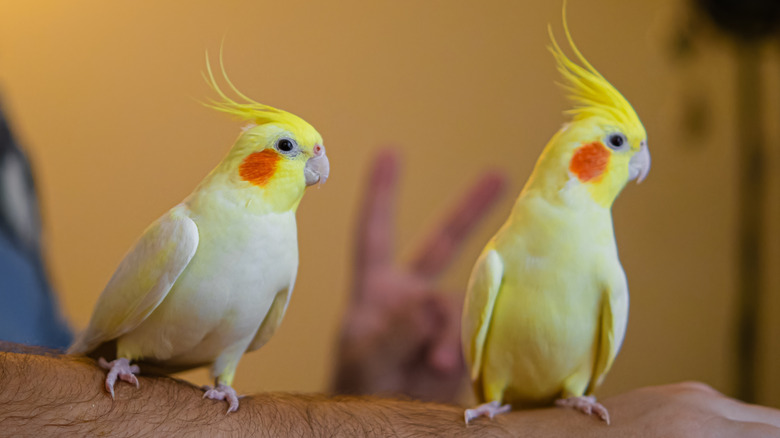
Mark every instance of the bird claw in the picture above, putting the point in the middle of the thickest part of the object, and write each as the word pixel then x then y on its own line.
pixel 585 404
pixel 119 369
pixel 222 392
pixel 489 410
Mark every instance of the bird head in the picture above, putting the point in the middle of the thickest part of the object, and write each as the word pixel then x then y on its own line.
pixel 278 153
pixel 605 144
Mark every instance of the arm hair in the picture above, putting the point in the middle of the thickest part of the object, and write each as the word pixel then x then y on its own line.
pixel 46 393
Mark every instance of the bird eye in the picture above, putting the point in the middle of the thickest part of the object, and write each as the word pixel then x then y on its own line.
pixel 285 145
pixel 617 140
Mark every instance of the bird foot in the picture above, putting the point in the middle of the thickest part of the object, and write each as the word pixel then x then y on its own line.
pixel 585 404
pixel 222 392
pixel 119 369
pixel 489 410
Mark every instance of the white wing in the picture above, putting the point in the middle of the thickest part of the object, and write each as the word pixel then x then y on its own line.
pixel 483 290
pixel 142 280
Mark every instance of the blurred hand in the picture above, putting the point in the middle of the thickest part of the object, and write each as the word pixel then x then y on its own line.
pixel 684 410
pixel 401 333
pixel 689 409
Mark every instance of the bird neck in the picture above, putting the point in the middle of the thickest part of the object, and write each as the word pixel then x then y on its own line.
pixel 553 179
pixel 562 217
pixel 224 188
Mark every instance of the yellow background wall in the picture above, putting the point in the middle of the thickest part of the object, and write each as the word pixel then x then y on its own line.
pixel 104 95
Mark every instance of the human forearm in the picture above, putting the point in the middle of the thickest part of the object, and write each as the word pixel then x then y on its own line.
pixel 45 395
pixel 42 395
pixel 58 395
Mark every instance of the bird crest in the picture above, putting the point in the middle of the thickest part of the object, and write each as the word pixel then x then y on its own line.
pixel 245 109
pixel 591 94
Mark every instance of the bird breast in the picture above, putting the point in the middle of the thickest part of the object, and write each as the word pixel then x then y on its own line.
pixel 220 300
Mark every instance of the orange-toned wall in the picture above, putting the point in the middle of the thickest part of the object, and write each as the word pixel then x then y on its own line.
pixel 104 96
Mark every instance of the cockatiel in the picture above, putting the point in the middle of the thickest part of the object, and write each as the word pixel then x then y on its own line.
pixel 547 302
pixel 212 278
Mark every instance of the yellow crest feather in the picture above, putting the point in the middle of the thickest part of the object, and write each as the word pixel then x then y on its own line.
pixel 247 109
pixel 590 92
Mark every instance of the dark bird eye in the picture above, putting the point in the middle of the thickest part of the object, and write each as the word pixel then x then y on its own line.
pixel 285 145
pixel 616 140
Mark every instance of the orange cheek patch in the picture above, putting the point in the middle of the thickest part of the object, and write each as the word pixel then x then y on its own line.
pixel 589 161
pixel 259 167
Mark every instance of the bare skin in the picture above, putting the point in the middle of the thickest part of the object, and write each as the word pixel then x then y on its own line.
pixel 46 394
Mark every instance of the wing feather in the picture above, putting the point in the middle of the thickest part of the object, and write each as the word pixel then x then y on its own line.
pixel 483 291
pixel 272 319
pixel 613 321
pixel 142 280
pixel 274 316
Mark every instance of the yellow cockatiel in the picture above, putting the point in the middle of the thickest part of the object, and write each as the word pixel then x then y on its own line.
pixel 211 279
pixel 547 302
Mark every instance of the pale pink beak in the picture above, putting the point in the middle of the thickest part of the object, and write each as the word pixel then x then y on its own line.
pixel 317 167
pixel 639 165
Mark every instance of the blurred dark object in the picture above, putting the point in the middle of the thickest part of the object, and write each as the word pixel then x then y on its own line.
pixel 28 311
pixel 751 213
pixel 695 112
pixel 745 19
pixel 749 23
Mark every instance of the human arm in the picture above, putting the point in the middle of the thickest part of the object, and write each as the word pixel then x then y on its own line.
pixel 47 394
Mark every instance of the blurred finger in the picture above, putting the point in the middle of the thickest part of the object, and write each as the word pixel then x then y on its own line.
pixel 375 227
pixel 438 250
pixel 445 354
